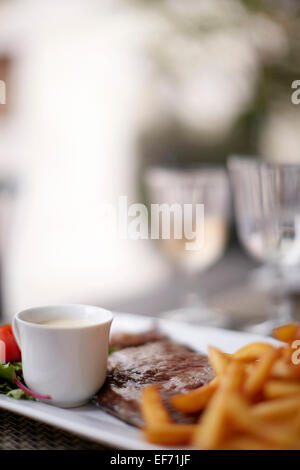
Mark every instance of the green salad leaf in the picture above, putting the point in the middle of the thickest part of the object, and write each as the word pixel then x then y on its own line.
pixel 7 384
pixel 7 371
pixel 18 394
pixel 111 350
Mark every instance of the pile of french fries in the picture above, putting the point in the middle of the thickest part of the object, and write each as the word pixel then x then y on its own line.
pixel 253 403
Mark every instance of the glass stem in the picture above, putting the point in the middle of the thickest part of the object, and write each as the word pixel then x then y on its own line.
pixel 192 296
pixel 280 302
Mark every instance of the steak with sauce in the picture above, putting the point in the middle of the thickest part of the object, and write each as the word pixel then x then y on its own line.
pixel 125 340
pixel 145 359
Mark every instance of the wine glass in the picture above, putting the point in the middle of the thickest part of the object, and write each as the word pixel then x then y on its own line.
pixel 192 186
pixel 267 209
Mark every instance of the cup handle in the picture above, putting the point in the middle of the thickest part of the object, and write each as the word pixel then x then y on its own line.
pixel 16 331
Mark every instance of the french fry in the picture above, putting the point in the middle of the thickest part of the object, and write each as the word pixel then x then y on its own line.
pixel 296 423
pixel 245 442
pixel 218 359
pixel 212 427
pixel 275 409
pixel 170 434
pixel 261 372
pixel 244 421
pixel 282 369
pixel 213 424
pixel 287 333
pixel 285 352
pixel 195 400
pixel 252 351
pixel 152 407
pixel 280 388
pixel 253 403
pixel 232 380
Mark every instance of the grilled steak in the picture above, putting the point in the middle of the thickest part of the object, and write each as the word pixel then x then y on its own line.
pixel 125 340
pixel 156 360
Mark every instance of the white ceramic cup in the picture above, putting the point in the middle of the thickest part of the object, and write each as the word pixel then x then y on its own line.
pixel 68 363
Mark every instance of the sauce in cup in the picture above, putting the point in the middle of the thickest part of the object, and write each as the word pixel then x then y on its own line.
pixel 64 351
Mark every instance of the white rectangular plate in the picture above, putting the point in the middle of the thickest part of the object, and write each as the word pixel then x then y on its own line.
pixel 89 421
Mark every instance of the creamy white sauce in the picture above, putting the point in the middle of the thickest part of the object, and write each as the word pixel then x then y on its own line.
pixel 66 322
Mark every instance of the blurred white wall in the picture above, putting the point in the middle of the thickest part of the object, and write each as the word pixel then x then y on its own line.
pixel 71 144
pixel 82 87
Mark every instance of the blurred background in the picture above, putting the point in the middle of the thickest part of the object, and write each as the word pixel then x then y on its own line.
pixel 99 92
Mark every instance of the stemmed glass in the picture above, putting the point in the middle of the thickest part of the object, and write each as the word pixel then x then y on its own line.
pixel 267 208
pixel 193 185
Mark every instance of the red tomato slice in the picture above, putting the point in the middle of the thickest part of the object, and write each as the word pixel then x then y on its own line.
pixel 9 350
